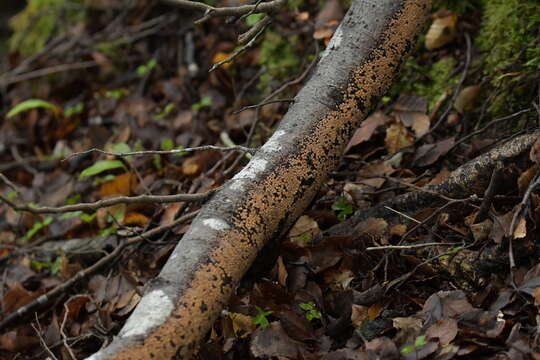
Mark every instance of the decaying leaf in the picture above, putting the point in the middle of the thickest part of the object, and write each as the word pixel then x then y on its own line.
pixel 441 32
pixel 397 137
pixel 466 98
pixel 429 153
pixel 366 130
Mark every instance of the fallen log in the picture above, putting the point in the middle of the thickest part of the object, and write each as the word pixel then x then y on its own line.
pixel 264 199
pixel 472 178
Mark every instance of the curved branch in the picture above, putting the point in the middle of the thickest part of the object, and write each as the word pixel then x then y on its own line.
pixel 266 197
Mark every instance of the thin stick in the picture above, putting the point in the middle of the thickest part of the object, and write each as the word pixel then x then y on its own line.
pixel 164 152
pixel 141 199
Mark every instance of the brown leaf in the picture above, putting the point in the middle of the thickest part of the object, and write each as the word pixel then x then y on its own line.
pixel 397 137
pixel 521 228
pixel 466 98
pixel 304 231
pixel 444 330
pixel 367 128
pixel 444 305
pixel 430 153
pixel 272 341
pixel 441 32
pixel 525 178
pixel 535 151
pixel 120 185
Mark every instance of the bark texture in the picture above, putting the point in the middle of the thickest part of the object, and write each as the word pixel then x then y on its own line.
pixel 469 179
pixel 265 198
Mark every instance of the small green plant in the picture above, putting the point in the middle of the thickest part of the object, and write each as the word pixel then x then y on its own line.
pixel 166 111
pixel 311 310
pixel 142 70
pixel 71 110
pixel 101 166
pixel 53 266
pixel 32 104
pixel 38 226
pixel 343 207
pixel 116 94
pixel 206 101
pixel 167 144
pixel 418 343
pixel 261 318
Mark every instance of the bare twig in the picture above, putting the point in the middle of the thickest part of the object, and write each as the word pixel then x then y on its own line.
pixel 406 247
pixel 262 104
pixel 11 185
pixel 141 199
pixel 38 331
pixel 489 125
pixel 240 50
pixel 164 152
pixel 47 71
pixel 254 30
pixel 46 298
pixel 211 12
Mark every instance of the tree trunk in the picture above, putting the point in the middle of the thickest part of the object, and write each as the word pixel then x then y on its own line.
pixel 264 199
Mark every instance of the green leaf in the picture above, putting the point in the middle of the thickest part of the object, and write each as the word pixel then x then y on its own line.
pixel 260 319
pixel 420 341
pixel 32 104
pixel 87 218
pixel 343 207
pixel 205 102
pixel 107 231
pixel 167 144
pixel 73 109
pixel 157 162
pixel 11 195
pixel 101 166
pixel 307 306
pixel 407 350
pixel 253 19
pixel 166 111
pixel 120 148
pixel 116 94
pixel 56 265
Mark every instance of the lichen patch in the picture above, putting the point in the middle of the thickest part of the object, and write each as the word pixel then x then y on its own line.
pixel 154 308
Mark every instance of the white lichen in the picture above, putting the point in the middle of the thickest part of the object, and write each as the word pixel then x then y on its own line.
pixel 274 143
pixel 216 224
pixel 153 309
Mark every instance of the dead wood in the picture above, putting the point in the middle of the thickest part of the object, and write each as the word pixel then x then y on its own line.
pixel 264 199
pixel 469 179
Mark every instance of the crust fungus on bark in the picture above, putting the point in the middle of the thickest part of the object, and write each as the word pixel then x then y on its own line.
pixel 260 202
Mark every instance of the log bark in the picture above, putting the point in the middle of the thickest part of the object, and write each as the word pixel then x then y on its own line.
pixel 472 178
pixel 264 199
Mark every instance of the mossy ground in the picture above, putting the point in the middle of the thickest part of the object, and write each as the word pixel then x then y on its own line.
pixel 40 20
pixel 506 55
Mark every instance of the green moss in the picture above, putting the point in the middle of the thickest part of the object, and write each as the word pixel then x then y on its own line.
pixel 509 38
pixel 40 20
pixel 509 33
pixel 281 58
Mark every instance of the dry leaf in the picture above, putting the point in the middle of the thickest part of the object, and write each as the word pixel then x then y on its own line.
pixel 367 128
pixel 525 178
pixel 429 153
pixel 441 32
pixel 303 231
pixel 466 98
pixel 535 151
pixel 521 228
pixel 397 137
pixel 220 56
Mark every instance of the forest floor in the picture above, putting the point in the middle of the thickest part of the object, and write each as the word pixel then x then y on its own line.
pixel 455 277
